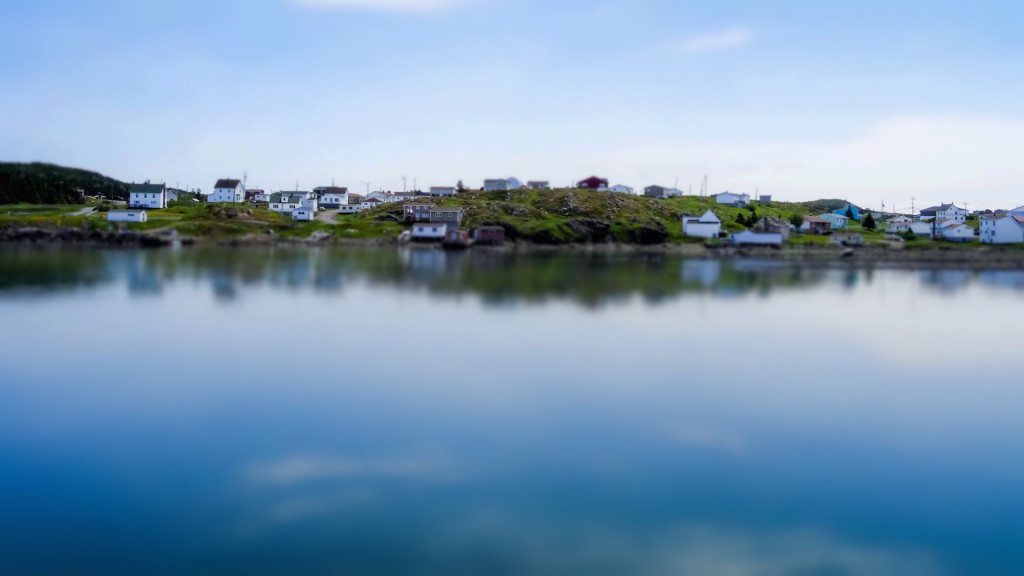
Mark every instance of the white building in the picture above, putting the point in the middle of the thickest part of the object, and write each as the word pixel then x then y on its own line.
pixel 370 203
pixel 922 228
pixel 288 202
pixel 147 196
pixel 1005 230
pixel 227 190
pixel 730 199
pixel 706 226
pixel 952 231
pixel 538 185
pixel 898 225
pixel 429 231
pixel 350 209
pixel 127 216
pixel 442 191
pixel 621 189
pixel 334 199
pixel 749 238
pixel 948 212
pixel 1018 211
pixel 304 213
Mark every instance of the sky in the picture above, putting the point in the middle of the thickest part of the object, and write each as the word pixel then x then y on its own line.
pixel 872 101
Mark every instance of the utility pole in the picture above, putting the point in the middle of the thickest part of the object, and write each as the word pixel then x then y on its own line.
pixel 404 189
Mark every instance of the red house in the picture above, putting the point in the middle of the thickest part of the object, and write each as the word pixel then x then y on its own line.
pixel 593 183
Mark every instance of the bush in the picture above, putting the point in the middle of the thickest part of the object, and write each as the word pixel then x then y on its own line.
pixel 104 207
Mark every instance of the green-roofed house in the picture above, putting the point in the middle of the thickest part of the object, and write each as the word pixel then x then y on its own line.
pixel 147 195
pixel 288 202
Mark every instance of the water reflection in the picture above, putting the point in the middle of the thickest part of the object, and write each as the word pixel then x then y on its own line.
pixel 284 411
pixel 497 277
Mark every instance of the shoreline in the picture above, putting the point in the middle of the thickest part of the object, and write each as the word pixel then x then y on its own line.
pixel 965 257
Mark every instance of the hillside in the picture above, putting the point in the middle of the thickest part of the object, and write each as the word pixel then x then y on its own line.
pixel 572 216
pixel 39 183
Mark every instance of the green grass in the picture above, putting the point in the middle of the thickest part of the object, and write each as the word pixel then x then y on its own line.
pixel 24 209
pixel 541 216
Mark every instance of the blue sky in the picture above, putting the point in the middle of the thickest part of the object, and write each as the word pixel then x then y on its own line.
pixel 866 100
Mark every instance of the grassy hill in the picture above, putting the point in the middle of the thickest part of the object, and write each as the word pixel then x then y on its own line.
pixel 571 215
pixel 39 183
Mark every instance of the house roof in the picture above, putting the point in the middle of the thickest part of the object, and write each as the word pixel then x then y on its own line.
pixel 817 219
pixel 227 183
pixel 942 208
pixel 147 188
pixel 332 190
pixel 440 209
pixel 280 196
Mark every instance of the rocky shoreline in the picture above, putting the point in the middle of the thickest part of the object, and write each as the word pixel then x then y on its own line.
pixel 973 257
pixel 80 236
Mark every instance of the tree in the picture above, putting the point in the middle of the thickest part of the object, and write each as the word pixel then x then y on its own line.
pixel 741 220
pixel 460 187
pixel 796 220
pixel 869 222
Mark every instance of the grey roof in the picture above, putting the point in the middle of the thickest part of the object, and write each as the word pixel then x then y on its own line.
pixel 279 196
pixel 227 183
pixel 146 188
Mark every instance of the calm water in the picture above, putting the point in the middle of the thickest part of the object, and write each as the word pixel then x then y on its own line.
pixel 217 411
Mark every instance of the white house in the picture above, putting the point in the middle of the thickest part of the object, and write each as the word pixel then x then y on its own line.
pixel 730 199
pixel 621 189
pixel 304 213
pixel 838 221
pixel 429 231
pixel 147 196
pixel 287 202
pixel 898 225
pixel 945 212
pixel 227 190
pixel 334 199
pixel 538 185
pixel 370 203
pixel 350 209
pixel 952 231
pixel 1018 211
pixel 127 216
pixel 706 226
pixel 442 191
pixel 921 228
pixel 749 238
pixel 1005 230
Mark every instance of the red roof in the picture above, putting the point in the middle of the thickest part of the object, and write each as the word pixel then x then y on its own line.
pixel 593 182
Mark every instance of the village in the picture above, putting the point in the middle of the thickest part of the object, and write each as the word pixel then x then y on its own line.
pixel 428 221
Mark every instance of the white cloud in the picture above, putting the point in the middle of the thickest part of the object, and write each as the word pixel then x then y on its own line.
pixel 385 5
pixel 728 39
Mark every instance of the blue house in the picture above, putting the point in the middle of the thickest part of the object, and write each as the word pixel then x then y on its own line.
pixel 849 208
pixel 838 221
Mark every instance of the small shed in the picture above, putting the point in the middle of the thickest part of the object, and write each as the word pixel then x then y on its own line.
pixel 489 235
pixel 304 214
pixel 127 216
pixel 750 238
pixel 816 225
pixel 429 231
